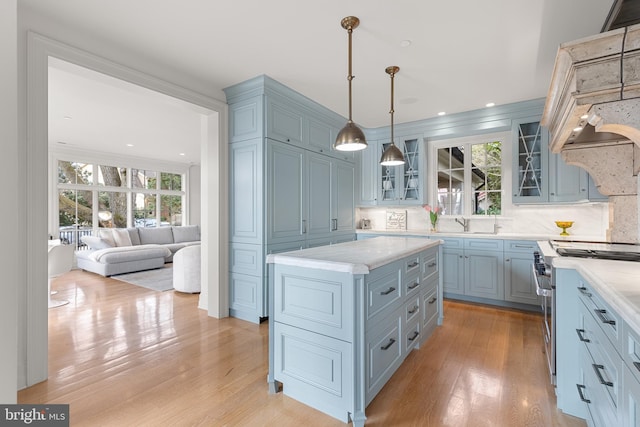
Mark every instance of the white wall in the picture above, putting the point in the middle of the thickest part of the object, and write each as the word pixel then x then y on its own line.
pixel 195 197
pixel 60 40
pixel 12 277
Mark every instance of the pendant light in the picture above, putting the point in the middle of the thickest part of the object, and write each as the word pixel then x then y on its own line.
pixel 351 137
pixel 392 156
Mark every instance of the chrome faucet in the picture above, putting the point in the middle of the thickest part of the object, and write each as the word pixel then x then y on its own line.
pixel 464 222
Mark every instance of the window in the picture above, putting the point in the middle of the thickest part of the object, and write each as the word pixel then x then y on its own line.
pixel 469 178
pixel 114 200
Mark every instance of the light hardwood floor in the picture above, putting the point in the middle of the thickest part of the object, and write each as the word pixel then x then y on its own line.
pixel 121 355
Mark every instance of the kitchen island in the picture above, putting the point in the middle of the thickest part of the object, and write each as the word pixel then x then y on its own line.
pixel 344 317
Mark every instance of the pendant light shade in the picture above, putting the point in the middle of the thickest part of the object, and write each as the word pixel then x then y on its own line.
pixel 351 137
pixel 392 156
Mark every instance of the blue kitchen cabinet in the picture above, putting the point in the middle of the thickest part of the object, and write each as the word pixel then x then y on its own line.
pixel 540 176
pixel 453 266
pixel 531 160
pixel 484 274
pixel 368 167
pixel 288 189
pixel 519 283
pixel 404 184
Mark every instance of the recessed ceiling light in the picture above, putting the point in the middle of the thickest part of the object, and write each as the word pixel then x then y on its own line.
pixel 129 145
pixel 584 116
pixel 491 104
pixel 442 113
pixel 578 129
pixel 405 43
pixel 182 154
pixel 67 117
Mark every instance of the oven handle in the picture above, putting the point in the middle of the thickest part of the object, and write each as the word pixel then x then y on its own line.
pixel 544 292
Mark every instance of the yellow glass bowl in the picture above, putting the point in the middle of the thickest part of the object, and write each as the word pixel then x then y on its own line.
pixel 564 225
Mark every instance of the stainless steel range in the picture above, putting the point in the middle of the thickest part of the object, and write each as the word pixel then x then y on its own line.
pixel 546 285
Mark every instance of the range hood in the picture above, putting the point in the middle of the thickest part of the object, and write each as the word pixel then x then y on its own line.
pixel 592 112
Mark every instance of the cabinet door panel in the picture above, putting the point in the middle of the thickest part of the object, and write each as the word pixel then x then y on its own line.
pixel 319 172
pixel 245 192
pixel 453 271
pixel 286 210
pixel 284 122
pixel 519 283
pixel 344 191
pixel 484 274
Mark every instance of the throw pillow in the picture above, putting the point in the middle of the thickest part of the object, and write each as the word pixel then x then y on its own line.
pixel 186 233
pixel 107 235
pixel 94 242
pixel 121 237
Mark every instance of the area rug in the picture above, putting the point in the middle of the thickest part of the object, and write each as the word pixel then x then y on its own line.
pixel 160 279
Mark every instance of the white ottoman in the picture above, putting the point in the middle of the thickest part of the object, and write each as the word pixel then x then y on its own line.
pixel 186 270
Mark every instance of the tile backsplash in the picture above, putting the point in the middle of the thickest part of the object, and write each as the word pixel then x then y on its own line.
pixel 590 220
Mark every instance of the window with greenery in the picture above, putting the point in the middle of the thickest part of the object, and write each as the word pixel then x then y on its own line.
pixel 113 200
pixel 469 178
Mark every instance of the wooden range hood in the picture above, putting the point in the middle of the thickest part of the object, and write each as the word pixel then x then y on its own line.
pixel 592 112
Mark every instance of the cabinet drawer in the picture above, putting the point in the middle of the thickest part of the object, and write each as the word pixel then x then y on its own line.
pixel 412 310
pixel 383 292
pixel 631 353
pixel 486 244
pixel 384 353
pixel 412 336
pixel 412 265
pixel 525 246
pixel 452 243
pixel 311 364
pixel 246 259
pixel 412 284
pixel 607 319
pixel 429 264
pixel 316 300
pixel 430 309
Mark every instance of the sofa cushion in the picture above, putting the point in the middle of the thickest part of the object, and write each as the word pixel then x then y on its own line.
pixel 134 236
pixel 106 234
pixel 159 236
pixel 95 242
pixel 129 253
pixel 121 237
pixel 186 233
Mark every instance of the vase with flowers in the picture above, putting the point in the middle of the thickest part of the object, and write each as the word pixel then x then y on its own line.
pixel 433 216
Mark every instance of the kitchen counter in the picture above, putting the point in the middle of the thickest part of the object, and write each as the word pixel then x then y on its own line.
pixel 357 257
pixel 618 283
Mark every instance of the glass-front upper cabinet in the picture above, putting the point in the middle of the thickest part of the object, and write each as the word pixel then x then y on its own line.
pixel 531 158
pixel 402 184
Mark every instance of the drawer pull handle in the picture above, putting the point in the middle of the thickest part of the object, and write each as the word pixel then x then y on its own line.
pixel 637 365
pixel 583 291
pixel 386 347
pixel 388 291
pixel 413 310
pixel 412 264
pixel 583 339
pixel 523 246
pixel 414 285
pixel 415 335
pixel 432 300
pixel 580 387
pixel 601 314
pixel 433 264
pixel 599 375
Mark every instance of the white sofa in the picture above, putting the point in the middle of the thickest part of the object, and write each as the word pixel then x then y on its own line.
pixel 125 250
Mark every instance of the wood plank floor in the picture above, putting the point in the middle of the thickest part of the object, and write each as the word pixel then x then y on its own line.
pixel 121 355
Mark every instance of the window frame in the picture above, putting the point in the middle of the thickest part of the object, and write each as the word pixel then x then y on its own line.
pixel 468 208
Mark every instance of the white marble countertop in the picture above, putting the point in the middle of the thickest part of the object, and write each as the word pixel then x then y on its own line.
pixel 617 282
pixel 357 257
pixel 476 235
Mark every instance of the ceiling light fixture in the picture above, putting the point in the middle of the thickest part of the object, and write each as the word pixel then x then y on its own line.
pixel 491 104
pixel 392 156
pixel 351 137
pixel 441 113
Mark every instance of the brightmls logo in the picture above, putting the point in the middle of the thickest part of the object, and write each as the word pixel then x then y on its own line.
pixel 34 415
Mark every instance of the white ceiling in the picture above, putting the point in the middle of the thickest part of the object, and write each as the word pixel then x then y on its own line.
pixel 463 54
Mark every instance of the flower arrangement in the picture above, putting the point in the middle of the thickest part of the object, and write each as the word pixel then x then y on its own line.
pixel 433 215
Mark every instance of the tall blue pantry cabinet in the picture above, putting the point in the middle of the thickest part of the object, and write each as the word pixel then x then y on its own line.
pixel 288 189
